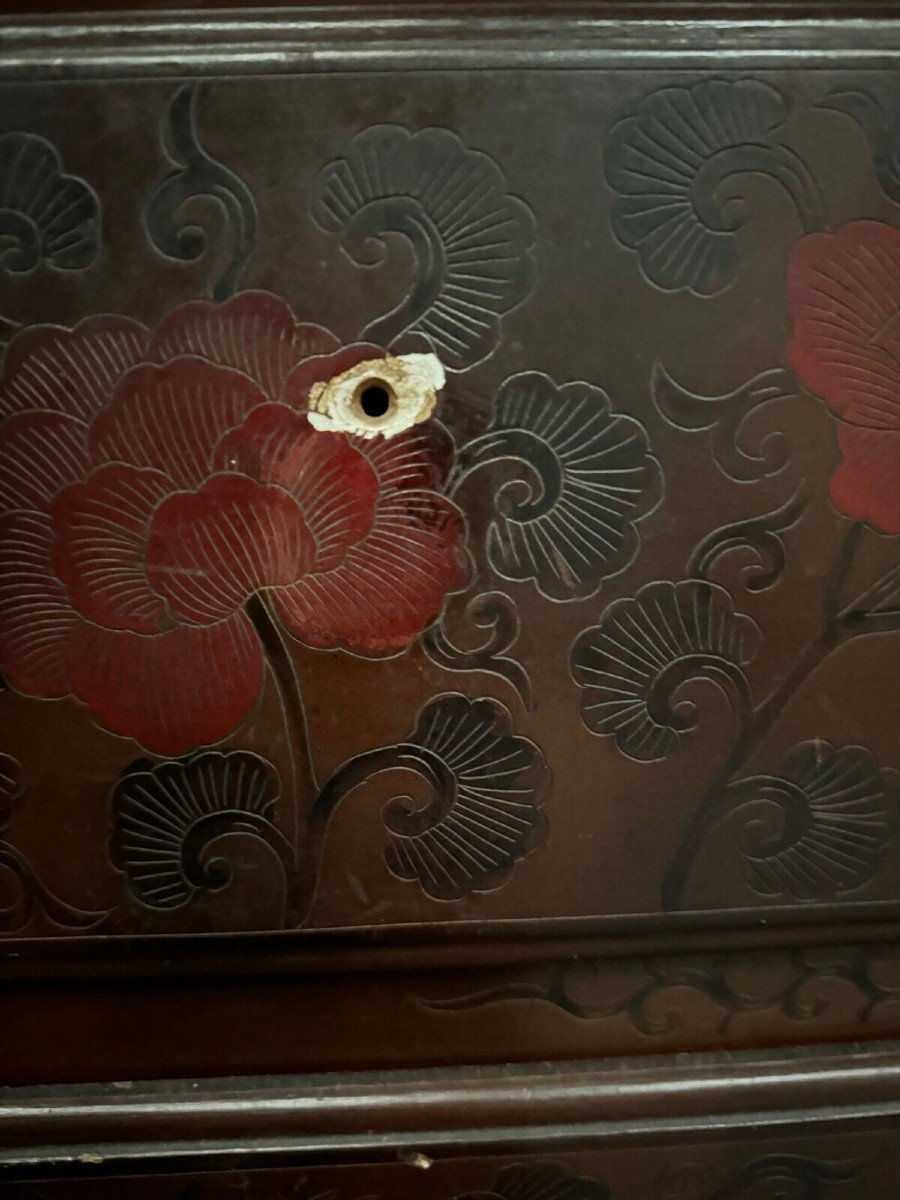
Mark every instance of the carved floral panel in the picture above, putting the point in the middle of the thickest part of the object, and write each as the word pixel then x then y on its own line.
pixel 611 631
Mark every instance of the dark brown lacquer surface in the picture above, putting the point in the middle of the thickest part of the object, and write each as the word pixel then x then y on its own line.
pixel 563 723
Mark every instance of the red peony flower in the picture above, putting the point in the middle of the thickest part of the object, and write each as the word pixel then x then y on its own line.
pixel 151 483
pixel 844 295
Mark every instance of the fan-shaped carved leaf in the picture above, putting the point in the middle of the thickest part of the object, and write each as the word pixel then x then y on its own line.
pixel 485 817
pixel 666 164
pixel 631 665
pixel 470 238
pixel 571 522
pixel 165 815
pixel 837 811
pixel 45 214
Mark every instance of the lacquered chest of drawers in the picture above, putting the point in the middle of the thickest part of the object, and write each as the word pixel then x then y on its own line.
pixel 450 616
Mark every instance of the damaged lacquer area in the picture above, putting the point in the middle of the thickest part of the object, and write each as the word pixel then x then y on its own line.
pixel 383 396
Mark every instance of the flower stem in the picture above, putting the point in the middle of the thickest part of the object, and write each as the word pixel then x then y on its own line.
pixel 303 786
pixel 717 797
pixel 345 780
pixel 318 805
pixel 867 614
pixel 406 756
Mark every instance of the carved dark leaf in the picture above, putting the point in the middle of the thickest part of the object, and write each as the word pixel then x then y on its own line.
pixel 787 1177
pixel 727 420
pixel 760 536
pixel 164 817
pixel 492 611
pixel 836 809
pixel 570 523
pixel 471 239
pixel 774 1176
pixel 485 815
pixel 631 665
pixel 541 1181
pixel 45 214
pixel 881 124
pixel 666 165
pixel 197 174
pixel 27 894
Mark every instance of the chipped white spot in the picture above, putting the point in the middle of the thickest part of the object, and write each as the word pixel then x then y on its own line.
pixel 417 1159
pixel 380 396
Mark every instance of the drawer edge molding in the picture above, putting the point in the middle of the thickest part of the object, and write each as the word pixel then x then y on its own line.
pixel 364 38
pixel 421 1116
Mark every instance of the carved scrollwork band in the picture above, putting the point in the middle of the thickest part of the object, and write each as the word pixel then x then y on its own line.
pixel 666 997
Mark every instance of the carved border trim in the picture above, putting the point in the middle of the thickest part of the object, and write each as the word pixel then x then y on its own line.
pixel 443 945
pixel 312 41
pixel 152 1127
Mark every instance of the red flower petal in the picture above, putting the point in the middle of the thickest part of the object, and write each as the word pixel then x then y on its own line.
pixel 210 549
pixel 333 484
pixel 420 457
pixel 101 528
pixel 325 367
pixel 866 486
pixel 172 692
pixel 844 293
pixel 74 371
pixel 36 618
pixel 392 582
pixel 389 586
pixel 40 454
pixel 252 332
pixel 171 417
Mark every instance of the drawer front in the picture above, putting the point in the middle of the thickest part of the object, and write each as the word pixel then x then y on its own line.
pixel 559 717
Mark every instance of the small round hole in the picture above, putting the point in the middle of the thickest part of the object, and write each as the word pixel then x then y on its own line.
pixel 374 400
